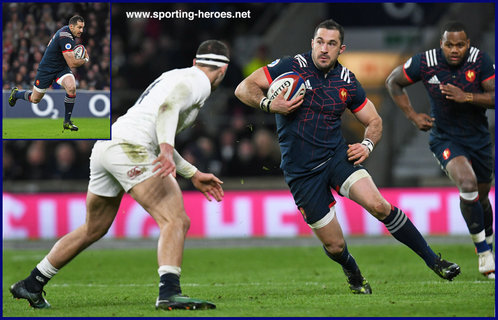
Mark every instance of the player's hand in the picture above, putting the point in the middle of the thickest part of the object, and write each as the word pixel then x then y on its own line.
pixel 358 152
pixel 422 121
pixel 282 106
pixel 452 92
pixel 208 184
pixel 165 163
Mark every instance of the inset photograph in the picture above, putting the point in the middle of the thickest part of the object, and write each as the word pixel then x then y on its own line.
pixel 56 71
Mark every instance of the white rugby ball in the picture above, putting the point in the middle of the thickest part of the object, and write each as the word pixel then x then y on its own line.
pixel 79 51
pixel 290 80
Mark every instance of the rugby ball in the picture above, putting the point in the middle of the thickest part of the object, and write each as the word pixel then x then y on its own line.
pixel 79 51
pixel 290 80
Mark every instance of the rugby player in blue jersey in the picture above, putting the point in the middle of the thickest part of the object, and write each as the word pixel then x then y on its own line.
pixel 316 157
pixel 460 81
pixel 55 66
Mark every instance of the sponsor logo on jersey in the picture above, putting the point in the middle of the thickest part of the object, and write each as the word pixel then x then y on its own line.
pixel 68 46
pixel 274 63
pixel 434 80
pixel 37 82
pixel 135 172
pixel 470 75
pixel 343 94
pixel 446 153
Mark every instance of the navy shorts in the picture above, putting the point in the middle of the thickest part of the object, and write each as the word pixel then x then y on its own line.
pixel 481 159
pixel 312 191
pixel 44 79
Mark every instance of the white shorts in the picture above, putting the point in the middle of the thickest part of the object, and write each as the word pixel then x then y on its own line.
pixel 117 165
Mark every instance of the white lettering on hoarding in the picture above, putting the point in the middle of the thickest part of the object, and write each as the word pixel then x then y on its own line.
pixel 420 206
pixel 274 211
pixel 13 209
pixel 241 226
pixel 47 218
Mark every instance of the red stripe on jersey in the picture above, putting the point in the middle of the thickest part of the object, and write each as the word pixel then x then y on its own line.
pixel 67 50
pixel 406 75
pixel 492 77
pixel 332 204
pixel 361 106
pixel 267 74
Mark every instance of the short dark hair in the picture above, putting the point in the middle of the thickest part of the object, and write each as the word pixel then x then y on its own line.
pixel 453 26
pixel 331 24
pixel 75 19
pixel 213 46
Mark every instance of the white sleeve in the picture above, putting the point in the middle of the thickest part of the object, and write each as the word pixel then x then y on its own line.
pixel 183 167
pixel 169 111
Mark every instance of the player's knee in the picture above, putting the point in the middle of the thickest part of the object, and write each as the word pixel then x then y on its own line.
pixel 379 208
pixel 335 247
pixel 467 185
pixel 71 90
pixel 35 100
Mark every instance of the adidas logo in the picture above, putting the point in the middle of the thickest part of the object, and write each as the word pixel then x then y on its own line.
pixel 434 80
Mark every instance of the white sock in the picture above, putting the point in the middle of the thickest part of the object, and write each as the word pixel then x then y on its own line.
pixel 46 268
pixel 169 269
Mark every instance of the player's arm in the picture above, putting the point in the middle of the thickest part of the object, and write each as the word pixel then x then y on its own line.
pixel 251 91
pixel 485 99
pixel 71 61
pixel 395 84
pixel 207 183
pixel 369 117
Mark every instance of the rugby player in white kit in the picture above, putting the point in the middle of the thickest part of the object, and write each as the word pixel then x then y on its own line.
pixel 141 160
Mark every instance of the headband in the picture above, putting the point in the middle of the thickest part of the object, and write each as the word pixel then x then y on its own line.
pixel 212 59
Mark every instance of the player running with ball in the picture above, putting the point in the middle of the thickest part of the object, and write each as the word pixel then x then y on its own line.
pixel 55 66
pixel 141 160
pixel 316 157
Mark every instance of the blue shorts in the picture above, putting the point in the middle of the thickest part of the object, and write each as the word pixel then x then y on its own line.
pixel 481 159
pixel 44 79
pixel 312 191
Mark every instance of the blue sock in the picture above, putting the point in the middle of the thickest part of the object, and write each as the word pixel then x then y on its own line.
pixel 68 104
pixel 345 259
pixel 405 232
pixel 23 95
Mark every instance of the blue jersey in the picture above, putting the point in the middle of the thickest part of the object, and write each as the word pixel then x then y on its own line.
pixel 53 60
pixel 310 135
pixel 463 122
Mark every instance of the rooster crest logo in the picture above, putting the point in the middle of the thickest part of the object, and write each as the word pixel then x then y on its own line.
pixel 343 94
pixel 470 75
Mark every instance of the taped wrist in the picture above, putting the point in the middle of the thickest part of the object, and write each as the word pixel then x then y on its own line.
pixel 369 144
pixel 264 104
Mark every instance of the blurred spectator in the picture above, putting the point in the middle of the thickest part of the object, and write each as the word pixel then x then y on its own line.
pixel 259 60
pixel 64 165
pixel 36 167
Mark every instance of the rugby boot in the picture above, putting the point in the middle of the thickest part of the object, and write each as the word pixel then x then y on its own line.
pixel 487 264
pixel 69 125
pixel 12 98
pixel 445 269
pixel 357 283
pixel 35 299
pixel 179 301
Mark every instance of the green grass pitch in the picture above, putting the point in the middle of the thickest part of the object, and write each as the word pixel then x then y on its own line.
pixel 44 128
pixel 262 281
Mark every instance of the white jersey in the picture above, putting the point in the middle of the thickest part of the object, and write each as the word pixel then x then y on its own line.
pixel 169 105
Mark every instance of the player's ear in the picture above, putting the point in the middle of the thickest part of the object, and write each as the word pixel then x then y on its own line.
pixel 312 43
pixel 342 49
